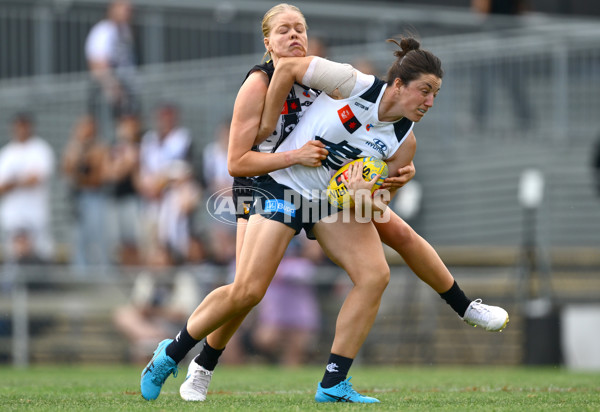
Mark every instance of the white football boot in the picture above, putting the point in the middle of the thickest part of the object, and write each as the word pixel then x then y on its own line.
pixel 195 386
pixel 492 318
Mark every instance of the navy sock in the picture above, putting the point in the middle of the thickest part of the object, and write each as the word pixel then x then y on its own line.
pixel 181 345
pixel 456 298
pixel 209 357
pixel 336 370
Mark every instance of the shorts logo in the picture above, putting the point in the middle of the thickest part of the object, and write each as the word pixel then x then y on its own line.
pixel 222 207
pixel 280 206
pixel 349 120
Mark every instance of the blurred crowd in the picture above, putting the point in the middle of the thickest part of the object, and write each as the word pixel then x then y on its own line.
pixel 136 194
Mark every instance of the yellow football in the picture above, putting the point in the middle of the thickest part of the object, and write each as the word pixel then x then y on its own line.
pixel 337 193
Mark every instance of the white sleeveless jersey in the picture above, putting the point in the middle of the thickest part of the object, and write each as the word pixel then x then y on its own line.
pixel 350 129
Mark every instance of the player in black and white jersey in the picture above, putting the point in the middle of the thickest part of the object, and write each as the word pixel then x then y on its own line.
pixel 284 29
pixel 299 98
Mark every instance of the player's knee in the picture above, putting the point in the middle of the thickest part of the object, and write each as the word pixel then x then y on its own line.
pixel 247 296
pixel 382 278
pixel 404 233
pixel 400 237
pixel 377 278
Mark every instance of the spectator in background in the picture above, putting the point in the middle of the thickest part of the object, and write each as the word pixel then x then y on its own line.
pixel 505 72
pixel 175 217
pixel 317 46
pixel 159 148
pixel 366 66
pixel 289 316
pixel 121 169
pixel 109 50
pixel 159 302
pixel 83 162
pixel 26 169
pixel 24 249
pixel 214 161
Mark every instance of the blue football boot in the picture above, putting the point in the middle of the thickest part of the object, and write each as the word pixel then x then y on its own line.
pixel 342 392
pixel 157 371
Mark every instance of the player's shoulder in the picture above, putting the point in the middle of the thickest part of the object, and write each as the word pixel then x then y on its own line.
pixel 267 68
pixel 369 86
pixel 402 128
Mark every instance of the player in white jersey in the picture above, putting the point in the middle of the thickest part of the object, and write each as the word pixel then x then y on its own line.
pixel 354 246
pixel 201 374
pixel 337 123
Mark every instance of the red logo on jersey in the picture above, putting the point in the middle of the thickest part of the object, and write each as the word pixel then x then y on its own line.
pixel 291 106
pixel 348 119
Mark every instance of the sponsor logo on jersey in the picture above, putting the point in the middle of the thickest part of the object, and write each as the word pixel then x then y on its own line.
pixel 339 153
pixel 291 106
pixel 378 145
pixel 280 206
pixel 306 94
pixel 349 120
pixel 369 127
pixel 362 106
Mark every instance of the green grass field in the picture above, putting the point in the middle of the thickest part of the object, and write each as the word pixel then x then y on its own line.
pixel 255 388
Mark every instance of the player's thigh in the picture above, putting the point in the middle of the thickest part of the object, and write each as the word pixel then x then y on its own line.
pixel 354 246
pixel 394 231
pixel 265 242
pixel 240 233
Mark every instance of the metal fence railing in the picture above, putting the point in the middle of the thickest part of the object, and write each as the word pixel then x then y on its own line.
pixel 51 315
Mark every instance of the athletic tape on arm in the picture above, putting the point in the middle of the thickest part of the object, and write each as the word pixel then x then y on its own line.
pixel 325 75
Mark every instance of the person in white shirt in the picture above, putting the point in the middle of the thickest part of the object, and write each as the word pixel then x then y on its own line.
pixel 26 168
pixel 159 148
pixel 110 54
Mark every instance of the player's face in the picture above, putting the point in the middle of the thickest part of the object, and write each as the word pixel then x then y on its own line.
pixel 288 36
pixel 414 99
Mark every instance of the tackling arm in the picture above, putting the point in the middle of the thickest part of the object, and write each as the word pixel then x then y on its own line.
pixel 335 79
pixel 241 159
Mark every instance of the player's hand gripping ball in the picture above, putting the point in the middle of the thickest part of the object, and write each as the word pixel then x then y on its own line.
pixel 337 193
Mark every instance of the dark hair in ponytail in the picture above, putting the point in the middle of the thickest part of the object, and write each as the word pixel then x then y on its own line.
pixel 412 61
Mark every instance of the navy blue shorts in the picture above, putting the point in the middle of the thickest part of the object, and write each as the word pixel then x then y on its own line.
pixel 242 196
pixel 278 202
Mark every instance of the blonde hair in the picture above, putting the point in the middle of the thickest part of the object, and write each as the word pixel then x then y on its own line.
pixel 274 12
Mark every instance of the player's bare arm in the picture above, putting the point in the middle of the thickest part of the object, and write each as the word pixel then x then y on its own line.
pixel 335 79
pixel 404 172
pixel 241 160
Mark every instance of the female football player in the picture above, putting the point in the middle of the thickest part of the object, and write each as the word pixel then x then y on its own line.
pixel 365 286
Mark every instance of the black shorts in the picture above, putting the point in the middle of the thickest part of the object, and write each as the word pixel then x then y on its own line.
pixel 278 202
pixel 242 196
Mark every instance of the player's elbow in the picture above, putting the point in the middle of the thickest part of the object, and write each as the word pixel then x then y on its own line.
pixel 234 169
pixel 264 131
pixel 293 67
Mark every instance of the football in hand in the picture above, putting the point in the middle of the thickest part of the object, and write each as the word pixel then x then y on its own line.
pixel 337 193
